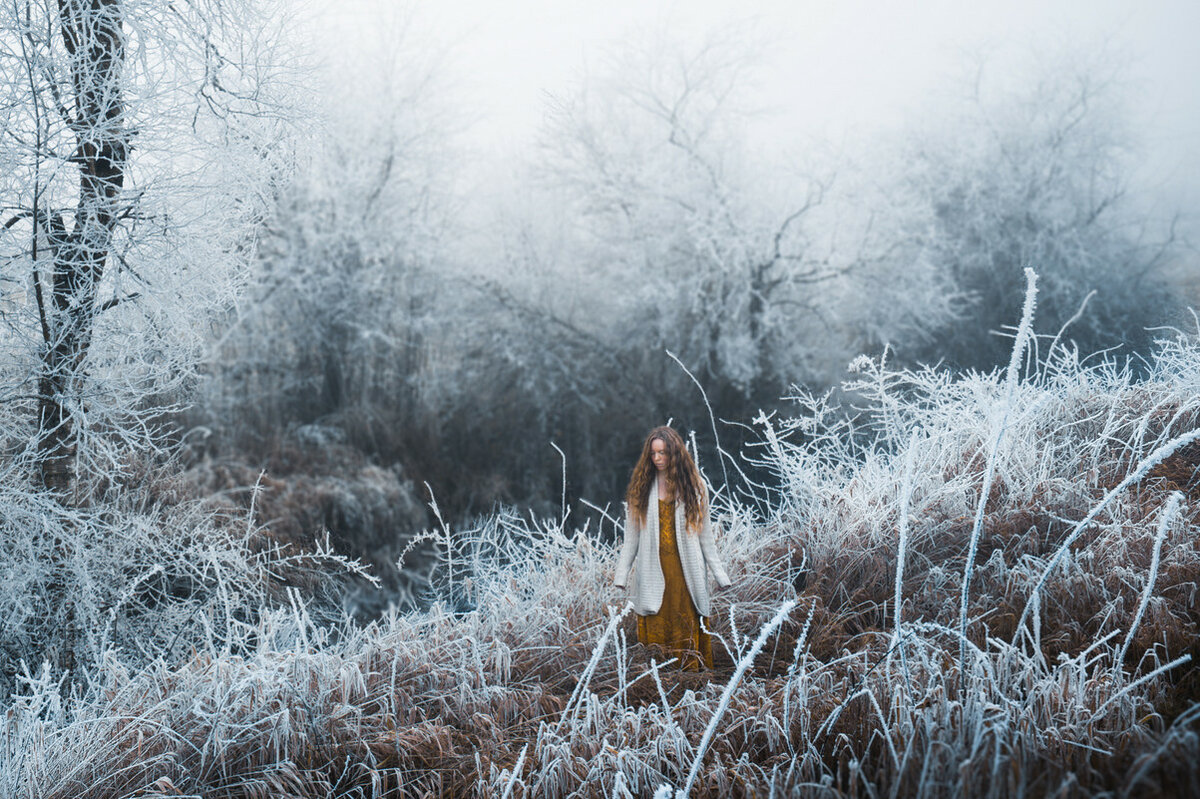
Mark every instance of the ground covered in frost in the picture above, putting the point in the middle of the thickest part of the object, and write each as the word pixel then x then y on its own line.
pixel 977 585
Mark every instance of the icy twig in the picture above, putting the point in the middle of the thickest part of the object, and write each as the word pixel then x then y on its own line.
pixel 905 498
pixel 1010 384
pixel 727 694
pixel 1164 524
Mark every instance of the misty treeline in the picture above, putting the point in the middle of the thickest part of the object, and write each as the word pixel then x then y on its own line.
pixel 472 324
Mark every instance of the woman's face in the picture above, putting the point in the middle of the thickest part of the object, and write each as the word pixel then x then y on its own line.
pixel 658 454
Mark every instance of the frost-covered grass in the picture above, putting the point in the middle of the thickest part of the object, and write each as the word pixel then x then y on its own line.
pixel 539 690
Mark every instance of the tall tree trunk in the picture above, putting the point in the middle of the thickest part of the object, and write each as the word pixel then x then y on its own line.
pixel 91 32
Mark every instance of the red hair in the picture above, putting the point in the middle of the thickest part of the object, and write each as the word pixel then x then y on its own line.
pixel 683 479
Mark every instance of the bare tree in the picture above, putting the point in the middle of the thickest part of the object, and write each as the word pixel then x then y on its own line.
pixel 752 271
pixel 111 115
pixel 654 150
pixel 94 42
pixel 134 136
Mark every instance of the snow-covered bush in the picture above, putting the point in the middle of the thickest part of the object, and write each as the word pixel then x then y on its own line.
pixel 149 576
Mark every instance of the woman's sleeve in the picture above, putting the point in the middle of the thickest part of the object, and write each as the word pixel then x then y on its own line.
pixel 709 547
pixel 628 551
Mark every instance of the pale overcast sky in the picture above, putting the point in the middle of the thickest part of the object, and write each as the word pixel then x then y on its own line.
pixel 836 70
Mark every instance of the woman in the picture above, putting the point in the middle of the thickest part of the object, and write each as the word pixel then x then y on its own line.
pixel 669 533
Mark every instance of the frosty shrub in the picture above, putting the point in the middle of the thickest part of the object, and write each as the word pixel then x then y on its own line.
pixel 320 488
pixel 1074 676
pixel 145 580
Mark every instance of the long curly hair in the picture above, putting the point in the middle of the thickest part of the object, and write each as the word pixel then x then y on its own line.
pixel 683 479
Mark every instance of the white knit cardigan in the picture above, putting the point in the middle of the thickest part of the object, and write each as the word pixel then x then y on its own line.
pixel 695 553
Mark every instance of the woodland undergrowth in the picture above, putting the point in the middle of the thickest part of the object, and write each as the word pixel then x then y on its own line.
pixel 851 659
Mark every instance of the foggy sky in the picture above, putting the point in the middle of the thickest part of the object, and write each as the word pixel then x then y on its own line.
pixel 838 71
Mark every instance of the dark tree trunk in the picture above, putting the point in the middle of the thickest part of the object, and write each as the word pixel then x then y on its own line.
pixel 91 32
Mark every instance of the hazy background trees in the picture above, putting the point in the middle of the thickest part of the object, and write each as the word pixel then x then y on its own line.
pixel 1038 174
pixel 464 339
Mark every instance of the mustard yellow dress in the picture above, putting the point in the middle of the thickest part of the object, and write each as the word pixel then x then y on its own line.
pixel 675 629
